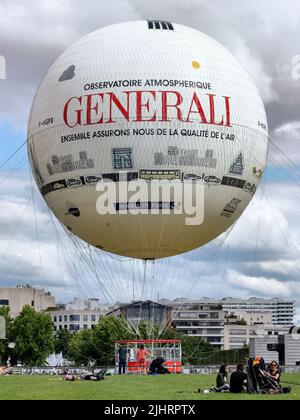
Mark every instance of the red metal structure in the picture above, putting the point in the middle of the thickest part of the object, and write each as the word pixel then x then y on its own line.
pixel 170 350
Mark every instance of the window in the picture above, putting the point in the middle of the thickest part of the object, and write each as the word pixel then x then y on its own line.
pixel 213 331
pixel 237 332
pixel 272 347
pixel 85 327
pixel 74 327
pixel 66 318
pixel 85 318
pixel 74 318
pixel 213 339
pixel 60 318
pixel 214 315
pixel 55 319
pixel 237 340
pixel 60 327
pixel 4 302
pixel 93 318
pixel 32 303
pixel 188 315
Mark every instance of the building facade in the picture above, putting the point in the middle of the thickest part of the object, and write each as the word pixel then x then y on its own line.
pixel 237 336
pixel 282 310
pixel 75 320
pixel 151 312
pixel 291 350
pixel 20 296
pixel 83 304
pixel 250 318
pixel 78 315
pixel 284 349
pixel 203 320
pixel 230 323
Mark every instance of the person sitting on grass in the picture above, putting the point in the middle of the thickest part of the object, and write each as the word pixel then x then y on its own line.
pixel 274 371
pixel 237 380
pixel 222 380
pixel 157 367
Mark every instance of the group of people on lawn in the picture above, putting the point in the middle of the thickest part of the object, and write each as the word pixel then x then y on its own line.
pixel 238 379
pixel 235 384
pixel 142 356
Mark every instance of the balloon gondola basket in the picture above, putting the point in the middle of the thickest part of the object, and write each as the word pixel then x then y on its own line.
pixel 170 350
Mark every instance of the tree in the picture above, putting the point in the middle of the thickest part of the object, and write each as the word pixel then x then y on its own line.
pixel 98 344
pixel 195 350
pixel 33 334
pixel 147 330
pixel 62 341
pixel 171 334
pixel 107 332
pixel 81 349
pixel 4 350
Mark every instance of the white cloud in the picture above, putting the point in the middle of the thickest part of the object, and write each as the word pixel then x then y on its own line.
pixel 262 285
pixel 287 138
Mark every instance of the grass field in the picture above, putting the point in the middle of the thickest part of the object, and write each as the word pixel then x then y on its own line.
pixel 171 387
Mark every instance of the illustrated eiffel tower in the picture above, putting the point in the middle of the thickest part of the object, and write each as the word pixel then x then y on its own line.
pixel 237 167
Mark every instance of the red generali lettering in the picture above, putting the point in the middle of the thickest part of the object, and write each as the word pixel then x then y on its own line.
pixel 146 105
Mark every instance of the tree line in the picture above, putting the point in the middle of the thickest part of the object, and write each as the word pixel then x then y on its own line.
pixel 34 340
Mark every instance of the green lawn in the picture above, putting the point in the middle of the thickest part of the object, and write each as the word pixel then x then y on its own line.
pixel 171 387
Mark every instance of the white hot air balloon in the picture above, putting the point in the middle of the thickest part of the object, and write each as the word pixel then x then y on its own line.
pixel 147 100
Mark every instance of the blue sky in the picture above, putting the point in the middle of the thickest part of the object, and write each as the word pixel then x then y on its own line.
pixel 10 138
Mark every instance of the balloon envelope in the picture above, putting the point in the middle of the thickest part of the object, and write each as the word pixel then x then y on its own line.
pixel 141 102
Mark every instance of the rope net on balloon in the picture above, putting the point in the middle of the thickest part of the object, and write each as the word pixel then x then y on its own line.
pixel 94 273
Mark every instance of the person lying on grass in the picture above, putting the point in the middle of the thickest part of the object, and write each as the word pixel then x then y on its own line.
pixel 4 370
pixel 85 376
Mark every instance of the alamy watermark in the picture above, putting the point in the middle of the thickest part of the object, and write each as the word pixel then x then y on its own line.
pixel 152 197
pixel 2 67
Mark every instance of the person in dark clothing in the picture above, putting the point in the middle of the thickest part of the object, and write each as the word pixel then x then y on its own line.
pixel 237 380
pixel 222 380
pixel 122 358
pixel 274 372
pixel 156 367
pixel 87 376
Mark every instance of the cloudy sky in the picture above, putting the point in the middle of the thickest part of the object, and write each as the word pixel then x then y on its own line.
pixel 259 257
